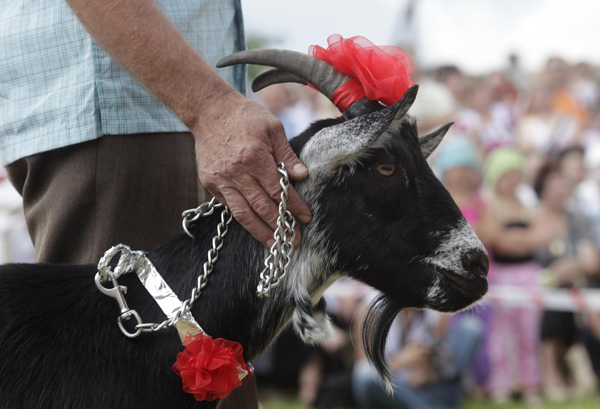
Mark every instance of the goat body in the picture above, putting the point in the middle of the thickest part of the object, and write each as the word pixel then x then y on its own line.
pixel 60 346
pixel 398 231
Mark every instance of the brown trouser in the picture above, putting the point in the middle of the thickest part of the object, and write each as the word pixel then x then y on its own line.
pixel 131 189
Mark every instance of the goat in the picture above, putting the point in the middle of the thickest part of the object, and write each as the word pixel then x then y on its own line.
pixel 379 215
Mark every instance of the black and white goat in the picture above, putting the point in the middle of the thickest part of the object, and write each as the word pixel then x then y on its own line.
pixel 379 215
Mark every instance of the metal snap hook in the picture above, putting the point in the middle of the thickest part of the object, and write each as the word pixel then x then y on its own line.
pixel 117 293
pixel 125 317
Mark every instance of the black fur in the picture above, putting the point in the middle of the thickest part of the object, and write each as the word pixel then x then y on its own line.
pixel 375 328
pixel 389 233
pixel 60 346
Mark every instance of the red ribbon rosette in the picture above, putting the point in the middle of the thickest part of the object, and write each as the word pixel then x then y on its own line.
pixel 381 73
pixel 211 368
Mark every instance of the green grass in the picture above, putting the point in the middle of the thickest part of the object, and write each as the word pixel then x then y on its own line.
pixel 277 403
pixel 583 404
pixel 279 400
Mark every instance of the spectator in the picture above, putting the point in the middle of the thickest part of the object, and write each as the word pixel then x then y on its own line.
pixel 569 258
pixel 512 241
pixel 484 121
pixel 428 359
pixel 589 190
pixel 543 129
pixel 335 357
pixel 515 73
pixel 459 167
pixel 564 100
pixel 277 99
pixel 584 87
pixel 571 164
pixel 455 81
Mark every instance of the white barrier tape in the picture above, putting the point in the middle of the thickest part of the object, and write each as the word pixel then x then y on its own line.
pixel 551 299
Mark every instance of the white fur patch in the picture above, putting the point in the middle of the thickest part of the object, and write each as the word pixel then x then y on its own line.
pixel 435 290
pixel 346 141
pixel 332 144
pixel 461 241
pixel 310 274
pixel 312 329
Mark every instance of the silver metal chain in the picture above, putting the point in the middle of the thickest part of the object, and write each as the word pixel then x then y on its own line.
pixel 276 263
pixel 189 216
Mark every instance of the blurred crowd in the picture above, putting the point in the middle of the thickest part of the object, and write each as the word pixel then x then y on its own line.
pixel 522 161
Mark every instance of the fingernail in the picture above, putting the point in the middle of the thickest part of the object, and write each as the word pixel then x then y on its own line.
pixel 304 218
pixel 300 169
pixel 270 243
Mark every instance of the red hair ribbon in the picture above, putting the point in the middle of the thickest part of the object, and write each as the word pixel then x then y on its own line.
pixel 379 73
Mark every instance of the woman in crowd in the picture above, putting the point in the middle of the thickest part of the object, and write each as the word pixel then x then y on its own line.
pixel 512 238
pixel 459 167
pixel 569 259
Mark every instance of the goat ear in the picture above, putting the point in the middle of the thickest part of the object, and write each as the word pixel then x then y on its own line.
pixel 349 139
pixel 431 141
pixel 406 101
pixel 401 107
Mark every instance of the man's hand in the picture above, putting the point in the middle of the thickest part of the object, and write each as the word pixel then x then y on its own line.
pixel 238 146
pixel 238 141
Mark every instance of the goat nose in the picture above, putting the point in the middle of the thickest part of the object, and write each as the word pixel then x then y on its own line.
pixel 477 263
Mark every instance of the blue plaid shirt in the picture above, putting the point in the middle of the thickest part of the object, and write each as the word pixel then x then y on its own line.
pixel 59 88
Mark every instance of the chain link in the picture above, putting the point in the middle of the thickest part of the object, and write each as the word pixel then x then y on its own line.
pixel 275 269
pixel 190 216
pixel 277 262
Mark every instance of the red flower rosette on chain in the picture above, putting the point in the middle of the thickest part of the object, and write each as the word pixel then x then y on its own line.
pixel 380 73
pixel 211 368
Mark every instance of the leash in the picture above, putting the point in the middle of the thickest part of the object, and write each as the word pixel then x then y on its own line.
pixel 179 313
pixel 129 261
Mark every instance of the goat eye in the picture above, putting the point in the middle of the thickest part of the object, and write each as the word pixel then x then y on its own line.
pixel 386 169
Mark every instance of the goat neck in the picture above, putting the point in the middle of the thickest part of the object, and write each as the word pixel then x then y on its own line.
pixel 228 306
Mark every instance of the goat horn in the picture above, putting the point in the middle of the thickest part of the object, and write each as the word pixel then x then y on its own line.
pixel 275 76
pixel 321 75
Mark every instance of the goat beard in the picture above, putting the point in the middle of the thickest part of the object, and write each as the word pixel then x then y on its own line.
pixel 376 325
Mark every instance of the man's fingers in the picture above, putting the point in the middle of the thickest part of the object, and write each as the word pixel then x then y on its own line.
pixel 266 208
pixel 244 175
pixel 244 214
pixel 296 171
pixel 263 205
pixel 294 204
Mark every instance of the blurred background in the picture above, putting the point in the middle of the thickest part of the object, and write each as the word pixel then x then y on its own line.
pixel 520 79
